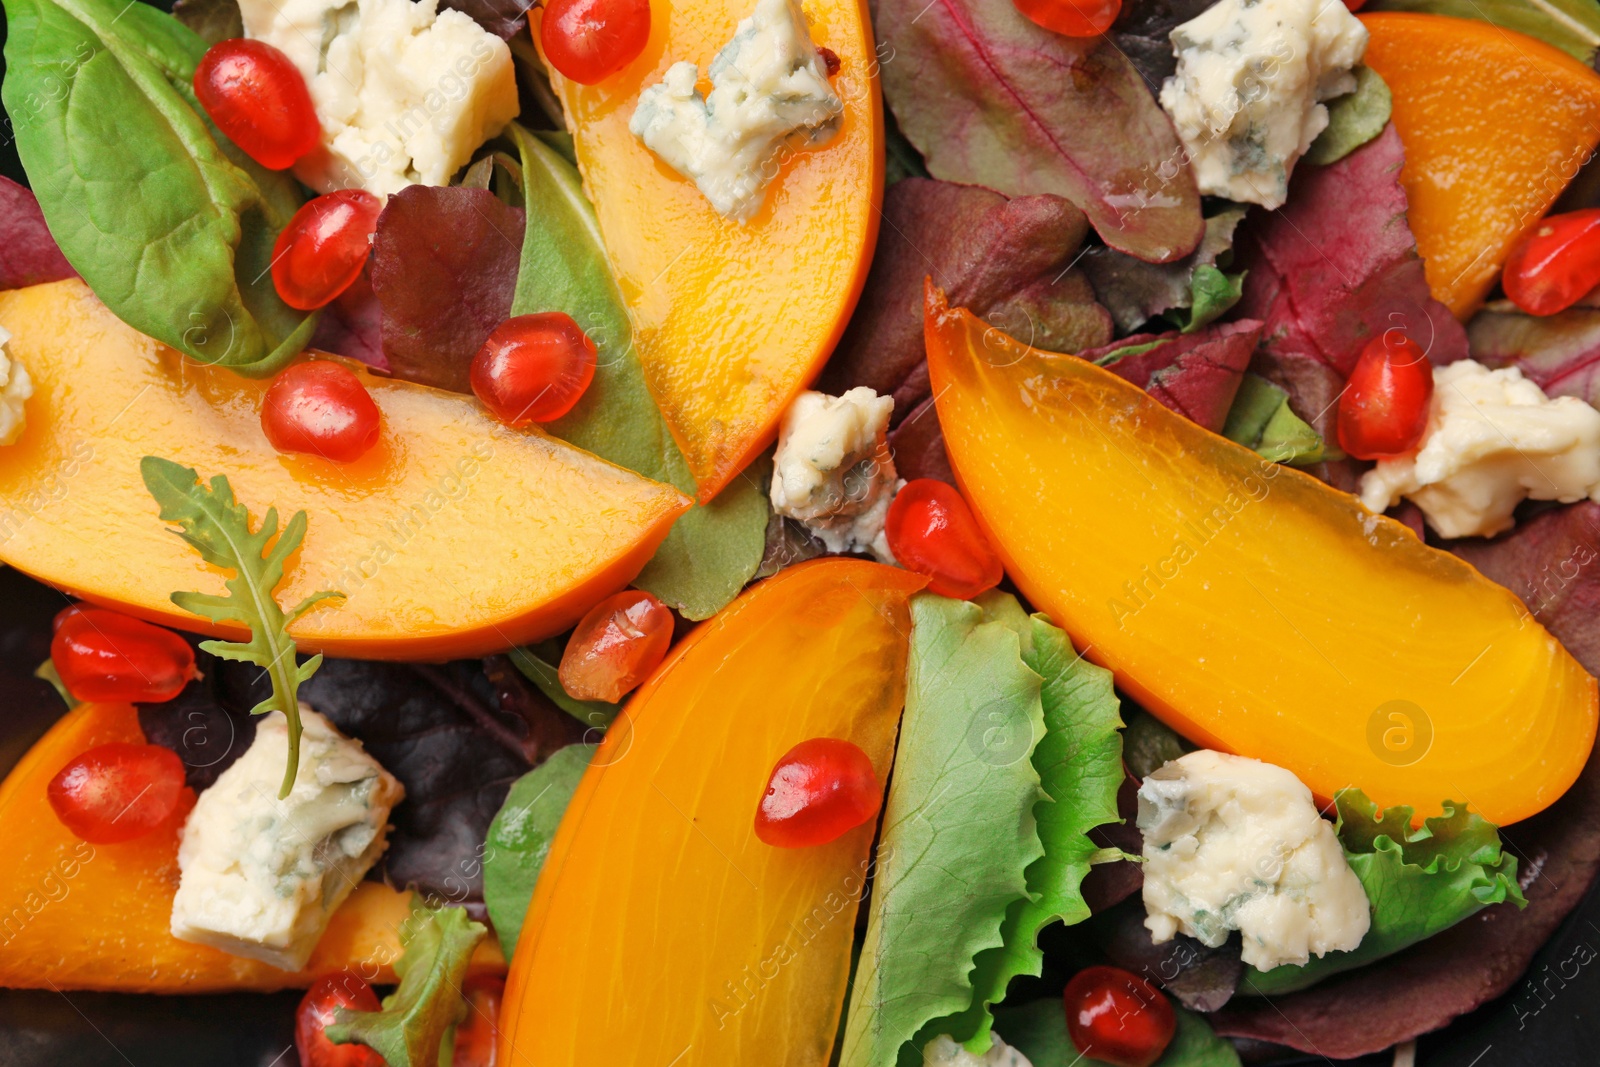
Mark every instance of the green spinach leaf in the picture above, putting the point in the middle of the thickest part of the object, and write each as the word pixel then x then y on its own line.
pixel 1353 119
pixel 543 673
pixel 1212 293
pixel 1039 1031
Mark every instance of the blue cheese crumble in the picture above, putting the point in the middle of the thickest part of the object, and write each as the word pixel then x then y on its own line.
pixel 260 877
pixel 1246 99
pixel 833 472
pixel 769 91
pixel 15 389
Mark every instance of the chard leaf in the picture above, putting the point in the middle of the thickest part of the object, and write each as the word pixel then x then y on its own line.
pixel 543 673
pixel 1353 119
pixel 170 223
pixel 1418 881
pixel 419 1015
pixel 218 527
pixel 958 832
pixel 1039 1031
pixel 1261 418
pixel 1560 353
pixel 713 549
pixel 1570 25
pixel 520 835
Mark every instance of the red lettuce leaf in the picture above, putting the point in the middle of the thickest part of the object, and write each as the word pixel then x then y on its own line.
pixel 992 99
pixel 353 326
pixel 444 268
pixel 28 254
pixel 1195 374
pixel 1142 33
pixel 918 446
pixel 1560 353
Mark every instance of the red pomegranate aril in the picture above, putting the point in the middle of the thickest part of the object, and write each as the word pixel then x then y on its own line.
pixel 320 408
pixel 1556 265
pixel 476 1035
pixel 932 531
pixel 616 646
pixel 117 792
pixel 1073 18
pixel 104 656
pixel 820 790
pixel 1383 411
pixel 321 252
pixel 1116 1017
pixel 533 368
pixel 590 40
pixel 259 100
pixel 830 60
pixel 316 1013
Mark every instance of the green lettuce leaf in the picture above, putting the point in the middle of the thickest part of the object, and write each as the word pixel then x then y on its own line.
pixel 714 548
pixel 419 1017
pixel 1570 25
pixel 1353 119
pixel 218 527
pixel 1039 1031
pixel 520 835
pixel 1418 881
pixel 958 832
pixel 1212 294
pixel 543 674
pixel 1261 418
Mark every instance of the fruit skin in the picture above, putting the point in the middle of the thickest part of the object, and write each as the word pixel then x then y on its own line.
pixel 259 100
pixel 819 790
pixel 81 916
pixel 732 321
pixel 1117 1017
pixel 1494 124
pixel 616 646
pixel 1383 411
pixel 658 859
pixel 320 407
pixel 552 529
pixel 1556 264
pixel 1251 607
pixel 106 655
pixel 117 792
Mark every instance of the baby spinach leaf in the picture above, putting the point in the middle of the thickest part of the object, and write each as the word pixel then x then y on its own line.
pixel 520 835
pixel 958 832
pixel 417 1017
pixel 712 550
pixel 1570 25
pixel 169 223
pixel 1039 1031
pixel 1261 418
pixel 1418 881
pixel 1353 119
pixel 543 673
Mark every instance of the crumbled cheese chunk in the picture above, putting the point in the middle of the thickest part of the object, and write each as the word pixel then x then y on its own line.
pixel 945 1051
pixel 833 472
pixel 405 92
pixel 1236 844
pixel 1493 439
pixel 15 388
pixel 1246 98
pixel 260 876
pixel 769 90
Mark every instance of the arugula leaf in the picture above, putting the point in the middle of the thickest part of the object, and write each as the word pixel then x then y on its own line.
pixel 170 223
pixel 1353 119
pixel 542 673
pixel 958 832
pixel 418 1017
pixel 1419 882
pixel 1262 419
pixel 520 835
pixel 46 671
pixel 218 527
pixel 713 549
pixel 1039 1031
pixel 1570 25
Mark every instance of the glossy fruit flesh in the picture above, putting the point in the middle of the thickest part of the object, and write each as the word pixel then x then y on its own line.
pixel 658 859
pixel 320 408
pixel 477 1034
pixel 108 656
pixel 616 646
pixel 533 368
pixel 322 250
pixel 1118 1018
pixel 117 792
pixel 1074 18
pixel 1383 411
pixel 820 789
pixel 1253 608
pixel 590 40
pixel 258 99
pixel 931 530
pixel 1556 265
pixel 317 1012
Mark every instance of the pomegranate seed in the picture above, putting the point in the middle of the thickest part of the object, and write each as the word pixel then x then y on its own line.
pixel 1117 1017
pixel 316 1014
pixel 1556 265
pixel 477 1033
pixel 104 656
pixel 320 408
pixel 820 790
pixel 932 531
pixel 1073 18
pixel 590 40
pixel 830 60
pixel 321 252
pixel 533 368
pixel 616 646
pixel 1384 409
pixel 117 792
pixel 258 99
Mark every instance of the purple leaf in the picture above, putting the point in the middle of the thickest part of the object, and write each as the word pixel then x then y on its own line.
pixel 1142 32
pixel 28 254
pixel 992 99
pixel 1559 353
pixel 503 18
pixel 352 326
pixel 1197 374
pixel 918 446
pixel 444 267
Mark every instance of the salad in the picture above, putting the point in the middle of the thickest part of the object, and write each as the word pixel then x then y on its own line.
pixel 991 532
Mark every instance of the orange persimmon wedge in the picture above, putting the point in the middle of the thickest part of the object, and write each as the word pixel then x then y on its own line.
pixel 1253 608
pixel 454 536
pixel 662 930
pixel 80 916
pixel 732 321
pixel 1494 123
